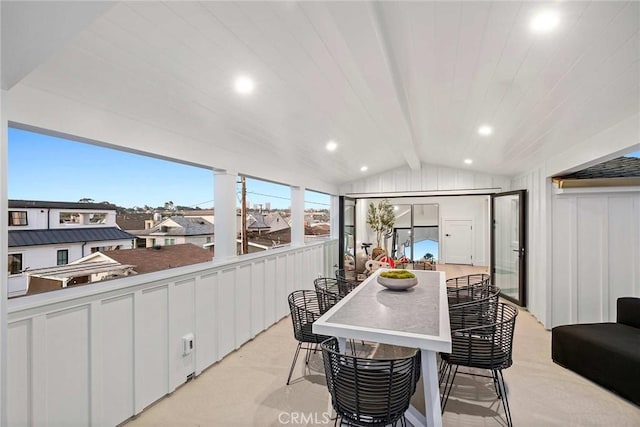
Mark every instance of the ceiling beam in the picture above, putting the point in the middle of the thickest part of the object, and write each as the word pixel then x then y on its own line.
pixel 409 150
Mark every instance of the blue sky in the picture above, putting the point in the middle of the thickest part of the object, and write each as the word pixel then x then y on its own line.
pixel 43 167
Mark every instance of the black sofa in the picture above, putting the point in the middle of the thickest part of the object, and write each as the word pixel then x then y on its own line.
pixel 605 353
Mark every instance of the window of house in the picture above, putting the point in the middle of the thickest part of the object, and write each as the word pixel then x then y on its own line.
pixel 168 242
pixel 69 218
pixel 98 218
pixel 267 215
pixel 15 264
pixel 63 257
pixel 18 218
pixel 317 215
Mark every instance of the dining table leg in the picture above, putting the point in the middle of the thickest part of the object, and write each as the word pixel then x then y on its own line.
pixel 431 389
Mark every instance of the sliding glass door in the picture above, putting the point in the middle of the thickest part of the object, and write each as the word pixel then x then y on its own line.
pixel 508 245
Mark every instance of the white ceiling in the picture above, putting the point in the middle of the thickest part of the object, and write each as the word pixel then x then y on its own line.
pixel 393 83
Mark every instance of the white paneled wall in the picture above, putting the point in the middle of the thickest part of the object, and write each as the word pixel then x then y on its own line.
pixel 539 246
pixel 97 355
pixel 428 178
pixel 596 255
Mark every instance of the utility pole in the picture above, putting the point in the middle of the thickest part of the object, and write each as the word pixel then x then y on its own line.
pixel 243 214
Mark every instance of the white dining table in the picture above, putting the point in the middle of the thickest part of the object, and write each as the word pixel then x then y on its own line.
pixel 417 317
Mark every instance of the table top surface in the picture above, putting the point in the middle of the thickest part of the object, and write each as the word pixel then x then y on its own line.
pixel 417 317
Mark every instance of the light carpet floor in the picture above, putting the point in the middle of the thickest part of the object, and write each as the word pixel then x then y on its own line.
pixel 247 388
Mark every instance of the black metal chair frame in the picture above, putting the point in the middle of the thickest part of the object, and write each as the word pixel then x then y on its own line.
pixel 484 341
pixel 369 392
pixel 328 292
pixel 467 288
pixel 305 309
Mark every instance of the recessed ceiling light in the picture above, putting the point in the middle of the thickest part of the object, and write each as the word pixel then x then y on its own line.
pixel 395 208
pixel 485 130
pixel 363 169
pixel 331 146
pixel 545 21
pixel 244 85
pixel 468 161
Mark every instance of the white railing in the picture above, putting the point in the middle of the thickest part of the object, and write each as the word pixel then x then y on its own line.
pixel 99 354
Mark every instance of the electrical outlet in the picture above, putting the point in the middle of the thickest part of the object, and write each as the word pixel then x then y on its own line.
pixel 187 344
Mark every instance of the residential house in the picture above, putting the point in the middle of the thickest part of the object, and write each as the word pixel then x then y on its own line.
pixel 176 230
pixel 136 223
pixel 208 214
pixel 276 221
pixel 48 233
pixel 107 265
pixel 156 258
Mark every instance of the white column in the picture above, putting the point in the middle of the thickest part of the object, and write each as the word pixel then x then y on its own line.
pixel 4 207
pixel 335 217
pixel 297 216
pixel 225 215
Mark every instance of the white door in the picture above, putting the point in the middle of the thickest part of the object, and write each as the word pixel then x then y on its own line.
pixel 457 241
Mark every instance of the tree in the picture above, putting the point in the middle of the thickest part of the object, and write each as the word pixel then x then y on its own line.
pixel 169 205
pixel 381 219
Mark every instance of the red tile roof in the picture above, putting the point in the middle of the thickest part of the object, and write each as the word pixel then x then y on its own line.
pixel 147 260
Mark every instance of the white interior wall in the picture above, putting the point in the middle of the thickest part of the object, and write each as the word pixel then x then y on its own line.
pixel 596 255
pixel 427 178
pixel 553 262
pixel 473 207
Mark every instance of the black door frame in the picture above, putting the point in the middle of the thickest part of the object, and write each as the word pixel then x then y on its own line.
pixel 341 222
pixel 523 249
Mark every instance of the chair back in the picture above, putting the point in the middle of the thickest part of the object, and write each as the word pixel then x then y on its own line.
pixel 345 286
pixel 305 310
pixel 485 336
pixel 327 292
pixel 468 288
pixel 372 392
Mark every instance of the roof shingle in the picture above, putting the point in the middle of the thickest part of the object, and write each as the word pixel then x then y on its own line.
pixel 68 235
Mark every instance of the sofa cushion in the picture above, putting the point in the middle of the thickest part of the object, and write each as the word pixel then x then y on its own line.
pixel 606 353
pixel 628 311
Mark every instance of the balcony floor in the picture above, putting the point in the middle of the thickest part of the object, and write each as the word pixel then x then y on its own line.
pixel 247 388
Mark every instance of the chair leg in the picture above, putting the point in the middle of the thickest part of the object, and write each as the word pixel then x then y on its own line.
pixel 505 400
pixel 442 371
pixel 306 359
pixel 293 364
pixel 494 374
pixel 447 392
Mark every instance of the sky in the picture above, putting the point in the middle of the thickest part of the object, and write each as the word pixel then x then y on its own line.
pixel 43 167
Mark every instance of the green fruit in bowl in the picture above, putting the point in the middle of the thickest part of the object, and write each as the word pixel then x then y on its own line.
pixel 397 274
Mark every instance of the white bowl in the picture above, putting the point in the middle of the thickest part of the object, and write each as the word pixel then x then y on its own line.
pixel 397 284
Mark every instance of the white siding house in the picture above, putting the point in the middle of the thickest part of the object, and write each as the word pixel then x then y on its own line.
pixel 44 234
pixel 177 230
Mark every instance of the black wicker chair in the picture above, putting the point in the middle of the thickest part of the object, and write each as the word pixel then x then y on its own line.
pixel 484 341
pixel 480 309
pixel 305 310
pixel 468 288
pixel 369 392
pixel 346 286
pixel 327 290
